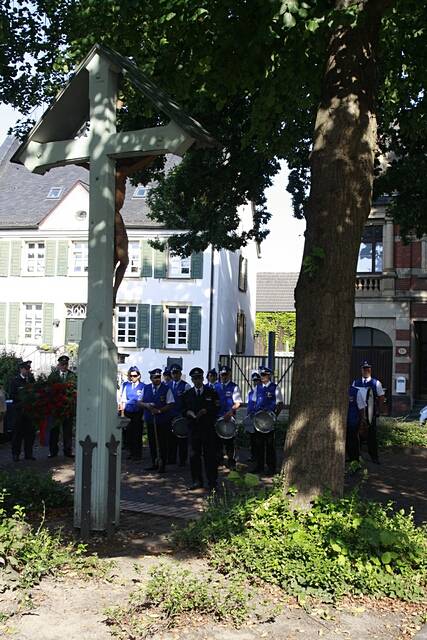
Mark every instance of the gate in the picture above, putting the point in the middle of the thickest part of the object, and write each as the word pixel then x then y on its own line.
pixel 242 367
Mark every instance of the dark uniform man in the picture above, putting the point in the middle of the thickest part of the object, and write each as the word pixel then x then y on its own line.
pixel 180 445
pixel 200 407
pixel 267 396
pixel 23 426
pixel 130 396
pixel 364 383
pixel 230 399
pixel 355 417
pixel 157 402
pixel 62 374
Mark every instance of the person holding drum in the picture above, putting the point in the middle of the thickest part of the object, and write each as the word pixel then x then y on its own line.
pixel 364 383
pixel 130 396
pixel 200 407
pixel 249 420
pixel 157 401
pixel 230 399
pixel 355 417
pixel 177 441
pixel 268 400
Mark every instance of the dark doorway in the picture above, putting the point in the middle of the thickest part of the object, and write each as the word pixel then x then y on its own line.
pixel 376 347
pixel 421 359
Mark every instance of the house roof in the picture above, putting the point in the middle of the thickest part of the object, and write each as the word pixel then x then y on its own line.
pixel 23 195
pixel 275 291
pixel 70 108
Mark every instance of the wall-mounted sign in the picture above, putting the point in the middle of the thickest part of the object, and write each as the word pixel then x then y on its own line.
pixel 402 351
pixel 401 384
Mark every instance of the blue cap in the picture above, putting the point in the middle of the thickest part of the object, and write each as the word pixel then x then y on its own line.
pixel 365 365
pixel 224 368
pixel 166 371
pixel 266 370
pixel 155 372
pixel 212 372
pixel 63 359
pixel 196 371
pixel 133 369
pixel 255 375
pixel 176 367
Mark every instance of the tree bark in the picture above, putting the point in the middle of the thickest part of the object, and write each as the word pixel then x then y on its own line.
pixel 342 170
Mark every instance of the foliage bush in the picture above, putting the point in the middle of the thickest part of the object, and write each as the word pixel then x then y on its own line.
pixel 8 367
pixel 338 547
pixel 393 432
pixel 281 322
pixel 32 491
pixel 173 591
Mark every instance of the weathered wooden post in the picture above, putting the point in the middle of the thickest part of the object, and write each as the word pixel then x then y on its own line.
pixel 54 142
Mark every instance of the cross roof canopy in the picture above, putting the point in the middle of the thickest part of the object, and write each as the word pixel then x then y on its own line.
pixel 69 111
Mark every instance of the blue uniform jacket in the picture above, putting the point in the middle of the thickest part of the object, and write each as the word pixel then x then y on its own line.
pixel 177 395
pixel 225 393
pixel 159 400
pixel 353 417
pixel 266 397
pixel 132 396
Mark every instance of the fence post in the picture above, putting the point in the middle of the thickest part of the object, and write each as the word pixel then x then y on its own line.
pixel 271 349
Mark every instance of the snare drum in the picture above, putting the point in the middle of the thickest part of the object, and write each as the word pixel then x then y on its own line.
pixel 226 429
pixel 180 427
pixel 370 406
pixel 265 421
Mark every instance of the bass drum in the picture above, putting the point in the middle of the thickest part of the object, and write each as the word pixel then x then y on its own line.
pixel 265 421
pixel 370 406
pixel 226 429
pixel 180 427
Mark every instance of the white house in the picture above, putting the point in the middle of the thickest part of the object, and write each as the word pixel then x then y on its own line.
pixel 190 310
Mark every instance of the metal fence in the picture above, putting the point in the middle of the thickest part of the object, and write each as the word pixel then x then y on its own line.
pixel 242 367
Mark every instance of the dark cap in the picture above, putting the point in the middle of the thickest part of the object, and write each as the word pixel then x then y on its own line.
pixel 155 372
pixel 166 371
pixel 265 370
pixel 175 368
pixel 212 372
pixel 196 371
pixel 63 359
pixel 26 364
pixel 224 369
pixel 255 375
pixel 365 365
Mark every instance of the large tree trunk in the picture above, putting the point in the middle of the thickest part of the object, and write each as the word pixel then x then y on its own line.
pixel 342 169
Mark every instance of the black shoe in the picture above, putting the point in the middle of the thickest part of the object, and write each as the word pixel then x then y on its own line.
pixel 68 455
pixel 196 485
pixel 182 464
pixel 29 458
pixel 15 458
pixel 52 455
pixel 153 467
pixel 162 468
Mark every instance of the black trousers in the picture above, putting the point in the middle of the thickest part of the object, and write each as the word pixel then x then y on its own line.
pixel 177 446
pixel 372 440
pixel 265 450
pixel 67 437
pixel 163 430
pixel 204 445
pixel 229 446
pixel 23 430
pixel 134 431
pixel 352 444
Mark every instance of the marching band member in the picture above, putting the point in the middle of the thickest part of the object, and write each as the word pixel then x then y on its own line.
pixel 212 378
pixel 267 396
pixel 230 399
pixel 131 394
pixel 249 425
pixel 178 388
pixel 364 383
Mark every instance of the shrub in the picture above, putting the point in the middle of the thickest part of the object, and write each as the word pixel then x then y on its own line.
pixel 32 490
pixel 343 546
pixel 8 367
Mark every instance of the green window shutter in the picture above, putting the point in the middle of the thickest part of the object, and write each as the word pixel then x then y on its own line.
pixel 4 257
pixel 143 336
pixel 73 330
pixel 146 259
pixel 160 265
pixel 13 322
pixel 194 328
pixel 48 323
pixel 197 265
pixel 156 326
pixel 15 261
pixel 2 323
pixel 62 260
pixel 50 258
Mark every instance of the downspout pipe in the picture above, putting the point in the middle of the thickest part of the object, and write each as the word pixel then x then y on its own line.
pixel 211 293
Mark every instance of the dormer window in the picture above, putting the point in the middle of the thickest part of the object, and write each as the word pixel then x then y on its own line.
pixel 140 192
pixel 54 193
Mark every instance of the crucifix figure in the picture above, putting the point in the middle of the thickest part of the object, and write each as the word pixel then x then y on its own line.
pixel 111 156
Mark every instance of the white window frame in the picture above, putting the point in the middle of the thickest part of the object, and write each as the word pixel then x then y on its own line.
pixel 38 259
pixel 32 322
pixel 179 267
pixel 74 260
pixel 175 338
pixel 127 315
pixel 140 192
pixel 134 266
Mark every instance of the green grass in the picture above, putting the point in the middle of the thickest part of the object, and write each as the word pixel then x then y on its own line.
pixel 394 432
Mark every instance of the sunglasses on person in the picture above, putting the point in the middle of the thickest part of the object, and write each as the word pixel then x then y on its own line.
pixel 134 375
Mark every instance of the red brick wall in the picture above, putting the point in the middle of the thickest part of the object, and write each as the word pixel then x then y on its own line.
pixel 401 367
pixel 419 310
pixel 403 257
pixel 403 334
